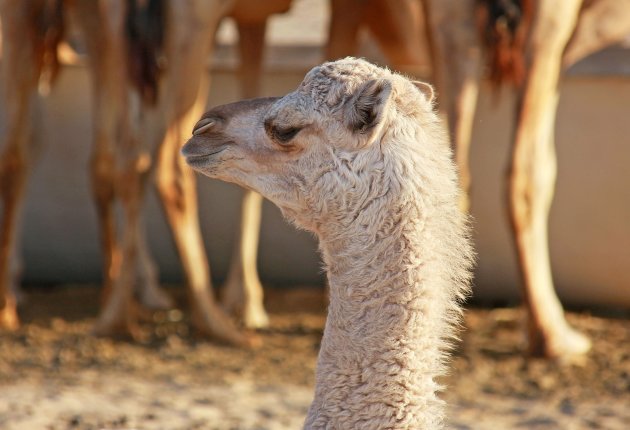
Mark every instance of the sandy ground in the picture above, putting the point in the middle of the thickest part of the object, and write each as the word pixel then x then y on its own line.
pixel 55 375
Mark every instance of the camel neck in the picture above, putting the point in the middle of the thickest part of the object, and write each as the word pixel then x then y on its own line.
pixel 381 348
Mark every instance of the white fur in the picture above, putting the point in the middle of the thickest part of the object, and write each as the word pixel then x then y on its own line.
pixel 383 201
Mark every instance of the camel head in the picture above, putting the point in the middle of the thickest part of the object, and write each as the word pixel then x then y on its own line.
pixel 317 151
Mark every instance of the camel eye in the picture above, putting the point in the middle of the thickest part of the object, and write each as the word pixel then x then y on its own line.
pixel 284 135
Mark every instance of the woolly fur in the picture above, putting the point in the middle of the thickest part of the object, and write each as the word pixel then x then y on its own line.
pixel 371 173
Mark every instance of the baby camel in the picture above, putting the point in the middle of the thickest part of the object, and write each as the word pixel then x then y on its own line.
pixel 358 156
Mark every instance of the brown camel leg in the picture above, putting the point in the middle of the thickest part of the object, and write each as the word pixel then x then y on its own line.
pixel 114 160
pixel 189 36
pixel 601 23
pixel 20 73
pixel 16 264
pixel 243 291
pixel 399 29
pixel 532 178
pixel 176 185
pixel 456 50
pixel 346 17
pixel 102 172
pixel 117 317
pixel 106 92
pixel 148 289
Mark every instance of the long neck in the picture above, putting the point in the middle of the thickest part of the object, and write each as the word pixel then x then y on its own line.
pixel 383 343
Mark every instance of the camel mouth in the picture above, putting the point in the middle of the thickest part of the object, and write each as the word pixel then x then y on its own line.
pixel 199 160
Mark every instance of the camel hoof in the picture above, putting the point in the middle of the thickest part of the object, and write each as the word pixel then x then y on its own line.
pixel 251 317
pixel 575 344
pixel 255 317
pixel 219 327
pixel 9 319
pixel 253 341
pixel 156 299
pixel 122 331
pixel 568 346
pixel 249 311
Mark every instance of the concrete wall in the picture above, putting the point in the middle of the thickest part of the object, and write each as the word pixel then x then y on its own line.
pixel 590 222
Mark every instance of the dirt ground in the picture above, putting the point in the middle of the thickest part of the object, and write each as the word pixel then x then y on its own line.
pixel 55 375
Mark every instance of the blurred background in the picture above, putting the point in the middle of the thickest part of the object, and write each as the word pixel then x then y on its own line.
pixel 589 228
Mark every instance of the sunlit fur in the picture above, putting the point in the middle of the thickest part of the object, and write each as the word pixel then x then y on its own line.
pixel 383 201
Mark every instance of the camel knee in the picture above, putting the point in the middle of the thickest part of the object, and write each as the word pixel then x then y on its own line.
pixel 521 195
pixel 530 193
pixel 554 22
pixel 102 173
pixel 519 202
pixel 170 187
pixel 130 178
pixel 169 192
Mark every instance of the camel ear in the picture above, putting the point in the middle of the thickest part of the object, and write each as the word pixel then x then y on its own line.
pixel 365 110
pixel 426 89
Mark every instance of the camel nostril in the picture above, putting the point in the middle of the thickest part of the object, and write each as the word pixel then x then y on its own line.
pixel 203 125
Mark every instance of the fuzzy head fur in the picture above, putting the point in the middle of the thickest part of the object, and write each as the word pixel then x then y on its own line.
pixel 357 155
pixel 312 150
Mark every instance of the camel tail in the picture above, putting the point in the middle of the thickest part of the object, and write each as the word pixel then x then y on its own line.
pixel 145 23
pixel 504 26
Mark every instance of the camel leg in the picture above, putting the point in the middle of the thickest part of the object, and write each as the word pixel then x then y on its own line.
pixel 251 44
pixel 115 158
pixel 345 20
pixel 243 291
pixel 106 53
pixel 176 185
pixel 14 167
pixel 396 26
pixel 102 171
pixel 601 23
pixel 130 174
pixel 16 265
pixel 20 72
pixel 456 51
pixel 532 177
pixel 13 171
pixel 148 288
pixel 188 44
pixel 117 318
pixel 107 91
pixel 399 29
